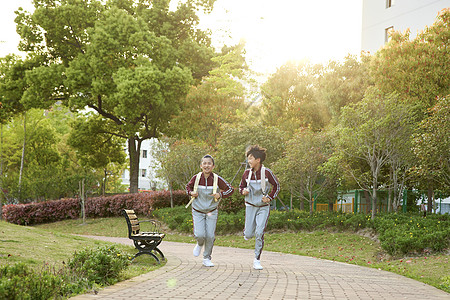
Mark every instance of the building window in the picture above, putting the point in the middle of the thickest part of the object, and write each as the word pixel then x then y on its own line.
pixel 390 3
pixel 387 34
pixel 144 153
pixel 143 172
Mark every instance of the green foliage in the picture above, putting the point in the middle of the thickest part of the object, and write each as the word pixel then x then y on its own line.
pixel 371 138
pixel 22 282
pixel 431 144
pixel 87 268
pixel 216 102
pixel 409 233
pixel 418 69
pixel 344 83
pixel 50 168
pixel 290 98
pixel 101 266
pixel 299 168
pixel 179 218
pixel 399 234
pixel 132 64
pixel 234 142
pixel 180 160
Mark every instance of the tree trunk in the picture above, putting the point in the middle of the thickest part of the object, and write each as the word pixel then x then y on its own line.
pixel 302 204
pixel 430 199
pixel 105 178
pixel 134 149
pixel 171 195
pixel 311 202
pixel 390 192
pixel 290 208
pixel 83 212
pixel 374 198
pixel 23 154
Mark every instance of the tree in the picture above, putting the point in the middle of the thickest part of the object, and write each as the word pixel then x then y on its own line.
pixel 369 135
pixel 96 150
pixel 234 142
pixel 299 169
pixel 418 69
pixel 216 102
pixel 131 63
pixel 180 160
pixel 344 83
pixel 432 142
pixel 50 171
pixel 12 88
pixel 290 98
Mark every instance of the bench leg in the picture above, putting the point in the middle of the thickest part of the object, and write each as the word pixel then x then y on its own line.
pixel 149 253
pixel 160 253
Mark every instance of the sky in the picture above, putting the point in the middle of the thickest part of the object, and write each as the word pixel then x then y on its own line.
pixel 274 31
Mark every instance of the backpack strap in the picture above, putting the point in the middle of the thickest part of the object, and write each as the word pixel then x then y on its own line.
pixel 263 178
pixel 215 185
pixel 197 180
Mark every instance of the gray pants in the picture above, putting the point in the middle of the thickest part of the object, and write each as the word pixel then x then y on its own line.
pixel 204 230
pixel 255 225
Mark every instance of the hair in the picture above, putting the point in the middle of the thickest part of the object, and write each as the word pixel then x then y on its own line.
pixel 257 152
pixel 207 156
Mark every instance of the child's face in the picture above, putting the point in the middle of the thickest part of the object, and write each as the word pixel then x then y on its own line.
pixel 253 162
pixel 207 165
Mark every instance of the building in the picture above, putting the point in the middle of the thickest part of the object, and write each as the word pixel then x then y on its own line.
pixel 147 169
pixel 379 17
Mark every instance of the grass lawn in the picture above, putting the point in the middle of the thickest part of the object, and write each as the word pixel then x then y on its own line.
pixel 339 246
pixel 39 246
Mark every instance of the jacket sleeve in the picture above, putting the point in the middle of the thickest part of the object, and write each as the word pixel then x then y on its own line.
pixel 226 189
pixel 275 184
pixel 190 185
pixel 243 183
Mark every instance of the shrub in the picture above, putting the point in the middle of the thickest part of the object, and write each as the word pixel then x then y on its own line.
pixel 102 265
pixel 21 282
pixel 103 206
pixel 398 233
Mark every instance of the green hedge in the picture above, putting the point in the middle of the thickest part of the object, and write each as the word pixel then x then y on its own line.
pixel 398 233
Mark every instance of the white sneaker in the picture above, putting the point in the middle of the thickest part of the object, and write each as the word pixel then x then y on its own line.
pixel 197 250
pixel 207 263
pixel 257 264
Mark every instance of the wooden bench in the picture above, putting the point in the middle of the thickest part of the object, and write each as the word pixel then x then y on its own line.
pixel 146 242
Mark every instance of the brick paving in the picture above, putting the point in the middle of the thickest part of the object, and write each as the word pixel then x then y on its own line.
pixel 285 276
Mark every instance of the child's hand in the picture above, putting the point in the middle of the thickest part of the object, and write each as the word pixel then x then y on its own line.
pixel 194 194
pixel 245 192
pixel 216 196
pixel 265 199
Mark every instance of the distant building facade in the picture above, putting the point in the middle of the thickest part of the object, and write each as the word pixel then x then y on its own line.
pixel 379 17
pixel 147 169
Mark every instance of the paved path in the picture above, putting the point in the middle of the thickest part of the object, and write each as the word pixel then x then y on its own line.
pixel 285 276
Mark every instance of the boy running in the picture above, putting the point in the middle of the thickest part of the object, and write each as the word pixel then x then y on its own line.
pixel 258 195
pixel 206 189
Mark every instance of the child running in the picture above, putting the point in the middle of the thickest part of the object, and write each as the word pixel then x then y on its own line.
pixel 258 195
pixel 206 189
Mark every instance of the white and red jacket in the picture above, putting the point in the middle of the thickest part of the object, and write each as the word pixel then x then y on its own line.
pixel 205 201
pixel 253 184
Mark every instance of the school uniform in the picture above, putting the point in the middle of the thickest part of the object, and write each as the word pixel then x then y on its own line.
pixel 256 211
pixel 205 209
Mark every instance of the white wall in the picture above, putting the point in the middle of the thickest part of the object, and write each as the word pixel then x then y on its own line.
pixel 403 14
pixel 150 165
